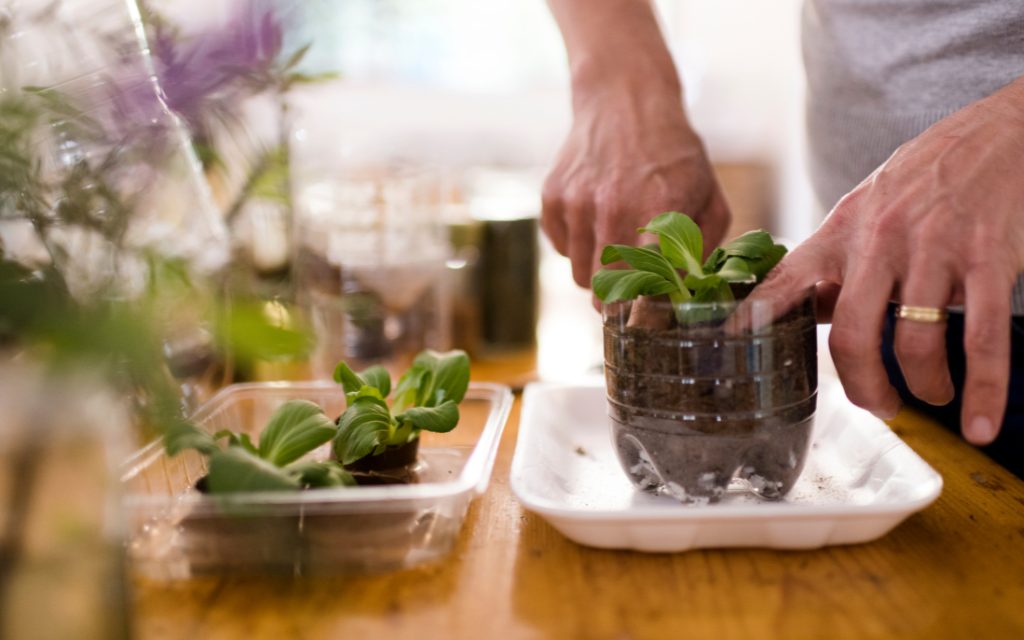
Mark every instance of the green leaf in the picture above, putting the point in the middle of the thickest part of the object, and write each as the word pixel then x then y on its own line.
pixel 363 427
pixel 376 377
pixel 295 429
pixel 715 261
pixel 610 285
pixel 430 373
pixel 185 435
pixel 307 78
pixel 328 473
pixel 296 57
pixel 366 392
pixel 403 434
pixel 710 289
pixel 347 378
pixel 246 443
pixel 752 244
pixel 644 259
pixel 760 267
pixel 735 269
pixel 237 440
pixel 408 386
pixel 610 254
pixel 236 470
pixel 681 240
pixel 707 289
pixel 440 419
pixel 252 336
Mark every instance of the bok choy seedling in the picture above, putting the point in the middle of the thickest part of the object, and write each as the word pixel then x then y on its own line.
pixel 426 399
pixel 295 429
pixel 656 266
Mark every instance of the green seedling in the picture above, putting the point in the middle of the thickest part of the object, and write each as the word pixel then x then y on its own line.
pixel 426 399
pixel 657 266
pixel 295 429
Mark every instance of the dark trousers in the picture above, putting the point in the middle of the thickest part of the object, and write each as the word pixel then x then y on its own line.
pixel 1008 448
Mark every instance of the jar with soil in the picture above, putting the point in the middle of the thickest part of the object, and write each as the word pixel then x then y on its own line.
pixel 724 400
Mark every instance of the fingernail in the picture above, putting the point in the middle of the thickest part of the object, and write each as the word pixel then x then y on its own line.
pixel 887 415
pixel 982 429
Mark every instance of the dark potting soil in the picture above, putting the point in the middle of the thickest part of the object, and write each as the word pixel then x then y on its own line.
pixel 393 457
pixel 691 408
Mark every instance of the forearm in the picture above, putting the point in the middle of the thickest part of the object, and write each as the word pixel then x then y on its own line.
pixel 615 46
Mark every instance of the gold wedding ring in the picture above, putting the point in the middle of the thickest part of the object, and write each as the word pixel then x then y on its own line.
pixel 921 314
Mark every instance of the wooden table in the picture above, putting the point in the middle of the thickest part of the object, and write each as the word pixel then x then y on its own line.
pixel 955 570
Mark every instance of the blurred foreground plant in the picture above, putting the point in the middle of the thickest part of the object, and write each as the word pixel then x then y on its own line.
pixel 102 180
pixel 211 78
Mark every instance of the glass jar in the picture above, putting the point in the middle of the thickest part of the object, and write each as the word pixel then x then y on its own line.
pixel 371 267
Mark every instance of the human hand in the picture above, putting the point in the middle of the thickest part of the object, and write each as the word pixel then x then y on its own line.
pixel 631 153
pixel 940 223
pixel 626 160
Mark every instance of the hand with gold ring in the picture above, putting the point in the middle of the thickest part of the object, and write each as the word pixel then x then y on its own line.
pixel 941 223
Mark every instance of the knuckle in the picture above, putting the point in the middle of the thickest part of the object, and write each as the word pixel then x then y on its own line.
pixel 849 345
pixel 887 223
pixel 553 187
pixel 986 253
pixel 550 199
pixel 932 232
pixel 847 208
pixel 576 197
pixel 606 229
pixel 782 276
pixel 981 389
pixel 987 340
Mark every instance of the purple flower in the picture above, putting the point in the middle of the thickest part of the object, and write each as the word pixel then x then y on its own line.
pixel 206 76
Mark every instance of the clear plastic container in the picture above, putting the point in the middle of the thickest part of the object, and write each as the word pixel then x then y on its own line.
pixel 176 532
pixel 728 394
pixel 371 251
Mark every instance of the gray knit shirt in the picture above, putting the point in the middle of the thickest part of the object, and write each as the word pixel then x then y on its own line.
pixel 880 72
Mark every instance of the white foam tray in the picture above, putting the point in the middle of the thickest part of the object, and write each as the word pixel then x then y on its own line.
pixel 860 481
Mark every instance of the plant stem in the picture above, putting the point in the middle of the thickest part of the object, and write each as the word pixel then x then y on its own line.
pixel 679 298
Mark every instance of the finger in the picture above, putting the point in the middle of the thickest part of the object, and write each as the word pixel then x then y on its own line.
pixel 579 213
pixel 826 296
pixel 552 219
pixel 987 345
pixel 856 340
pixel 786 284
pixel 921 346
pixel 714 221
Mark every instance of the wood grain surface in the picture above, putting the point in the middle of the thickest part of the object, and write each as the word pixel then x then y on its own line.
pixel 955 570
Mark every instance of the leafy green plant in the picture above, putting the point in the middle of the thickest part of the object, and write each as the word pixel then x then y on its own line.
pixel 295 429
pixel 426 399
pixel 656 266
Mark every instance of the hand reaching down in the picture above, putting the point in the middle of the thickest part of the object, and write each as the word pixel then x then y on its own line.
pixel 940 223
